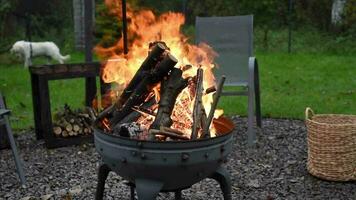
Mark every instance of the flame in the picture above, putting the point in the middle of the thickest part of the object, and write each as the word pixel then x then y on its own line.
pixel 143 28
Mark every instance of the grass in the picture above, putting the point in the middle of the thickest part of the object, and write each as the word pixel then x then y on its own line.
pixel 16 87
pixel 291 82
pixel 320 73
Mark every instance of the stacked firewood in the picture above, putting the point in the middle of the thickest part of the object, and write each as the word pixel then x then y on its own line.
pixel 69 123
pixel 158 68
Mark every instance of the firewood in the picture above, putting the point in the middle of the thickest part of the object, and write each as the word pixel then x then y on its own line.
pixel 57 130
pixel 154 57
pixel 69 127
pixel 142 90
pixel 214 104
pixel 65 133
pixel 86 130
pixel 170 89
pixel 76 127
pixel 197 104
pixel 162 128
pixel 210 90
pixel 133 116
pixel 155 132
pixel 71 133
pixel 203 122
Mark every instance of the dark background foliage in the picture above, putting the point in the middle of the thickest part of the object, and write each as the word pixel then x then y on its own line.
pixel 53 20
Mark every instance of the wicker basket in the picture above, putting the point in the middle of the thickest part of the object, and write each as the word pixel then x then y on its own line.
pixel 331 146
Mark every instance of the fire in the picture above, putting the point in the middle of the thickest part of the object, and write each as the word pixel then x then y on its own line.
pixel 143 28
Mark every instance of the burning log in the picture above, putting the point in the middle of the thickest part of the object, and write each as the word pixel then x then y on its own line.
pixel 150 62
pixel 133 116
pixel 154 57
pixel 170 89
pixel 172 135
pixel 131 130
pixel 197 110
pixel 142 90
pixel 213 106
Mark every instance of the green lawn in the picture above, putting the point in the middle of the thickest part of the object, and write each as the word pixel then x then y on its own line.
pixel 289 83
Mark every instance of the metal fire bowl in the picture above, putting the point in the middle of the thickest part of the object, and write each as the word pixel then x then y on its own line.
pixel 175 164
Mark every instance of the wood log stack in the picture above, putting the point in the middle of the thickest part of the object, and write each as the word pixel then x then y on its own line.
pixel 138 97
pixel 70 123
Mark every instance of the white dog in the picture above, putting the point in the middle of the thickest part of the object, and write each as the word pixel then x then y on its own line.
pixel 27 50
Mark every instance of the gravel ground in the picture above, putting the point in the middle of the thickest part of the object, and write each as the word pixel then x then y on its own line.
pixel 275 169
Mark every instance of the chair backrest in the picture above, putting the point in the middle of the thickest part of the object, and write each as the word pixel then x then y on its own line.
pixel 232 38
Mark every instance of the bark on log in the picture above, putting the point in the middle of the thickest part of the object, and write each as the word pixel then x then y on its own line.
pixel 142 90
pixel 150 62
pixel 214 104
pixel 197 104
pixel 133 116
pixel 172 135
pixel 170 89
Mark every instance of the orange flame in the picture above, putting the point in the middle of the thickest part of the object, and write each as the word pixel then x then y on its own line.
pixel 145 27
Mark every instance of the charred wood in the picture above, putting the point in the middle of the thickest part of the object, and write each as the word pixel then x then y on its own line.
pixel 214 104
pixel 142 90
pixel 170 89
pixel 172 135
pixel 197 110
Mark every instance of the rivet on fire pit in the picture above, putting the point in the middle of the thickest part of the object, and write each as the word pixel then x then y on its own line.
pixel 123 160
pixel 143 156
pixel 222 149
pixel 139 144
pixel 134 153
pixel 164 159
pixel 101 149
pixel 185 156
pixel 206 155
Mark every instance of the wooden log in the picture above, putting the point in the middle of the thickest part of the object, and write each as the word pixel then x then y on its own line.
pixel 170 89
pixel 57 130
pixel 133 116
pixel 142 90
pixel 203 120
pixel 155 132
pixel 155 55
pixel 197 105
pixel 65 133
pixel 214 104
pixel 76 127
pixel 162 128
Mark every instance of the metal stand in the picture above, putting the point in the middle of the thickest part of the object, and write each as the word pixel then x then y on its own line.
pixel 4 120
pixel 149 189
pixel 102 175
pixel 223 178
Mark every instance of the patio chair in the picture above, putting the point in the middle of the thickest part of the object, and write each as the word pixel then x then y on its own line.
pixel 232 38
pixel 4 120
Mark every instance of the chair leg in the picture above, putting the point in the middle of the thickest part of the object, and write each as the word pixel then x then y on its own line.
pixel 14 152
pixel 257 98
pixel 251 132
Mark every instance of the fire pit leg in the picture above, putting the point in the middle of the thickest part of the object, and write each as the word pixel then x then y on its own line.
pixel 147 189
pixel 178 195
pixel 103 174
pixel 132 192
pixel 223 178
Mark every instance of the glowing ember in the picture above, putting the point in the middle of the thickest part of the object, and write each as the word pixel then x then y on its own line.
pixel 145 28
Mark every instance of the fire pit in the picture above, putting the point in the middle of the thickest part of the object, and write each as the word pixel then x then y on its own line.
pixel 154 166
pixel 161 130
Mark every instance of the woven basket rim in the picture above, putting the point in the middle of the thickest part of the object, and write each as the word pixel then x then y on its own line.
pixel 309 115
pixel 332 116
